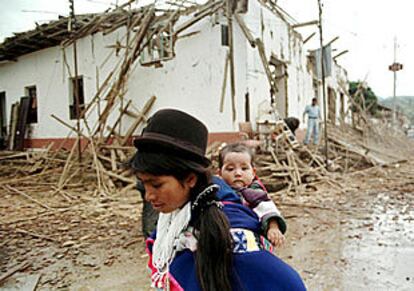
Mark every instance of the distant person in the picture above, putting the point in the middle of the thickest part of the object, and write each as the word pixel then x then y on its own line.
pixel 236 167
pixel 314 115
pixel 292 123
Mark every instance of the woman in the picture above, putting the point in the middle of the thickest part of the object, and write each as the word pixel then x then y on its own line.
pixel 205 238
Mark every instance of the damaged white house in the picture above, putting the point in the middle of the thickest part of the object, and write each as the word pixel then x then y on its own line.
pixel 121 65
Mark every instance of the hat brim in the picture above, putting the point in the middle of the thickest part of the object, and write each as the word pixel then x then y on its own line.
pixel 160 144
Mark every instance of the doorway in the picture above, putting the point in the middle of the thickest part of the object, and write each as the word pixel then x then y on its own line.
pixel 3 119
pixel 331 105
pixel 279 74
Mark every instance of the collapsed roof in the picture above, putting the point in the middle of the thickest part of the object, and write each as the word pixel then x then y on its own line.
pixel 64 30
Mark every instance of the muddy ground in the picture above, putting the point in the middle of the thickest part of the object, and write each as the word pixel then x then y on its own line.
pixel 354 233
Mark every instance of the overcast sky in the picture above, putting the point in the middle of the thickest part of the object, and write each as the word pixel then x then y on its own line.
pixel 366 28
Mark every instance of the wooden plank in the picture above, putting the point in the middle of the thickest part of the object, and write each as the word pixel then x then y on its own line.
pixel 313 22
pixel 118 120
pixel 118 147
pixel 113 160
pixel 229 12
pixel 272 152
pixel 131 114
pixel 67 166
pixel 137 121
pixel 14 115
pixel 13 270
pixel 36 235
pixel 107 184
pixel 214 7
pixel 22 123
pixel 27 196
pixel 119 177
pixel 119 152
pixel 126 66
pixel 245 30
pixel 68 125
pixel 265 64
pixel 223 86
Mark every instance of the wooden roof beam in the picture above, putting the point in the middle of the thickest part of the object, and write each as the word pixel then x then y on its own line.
pixel 313 22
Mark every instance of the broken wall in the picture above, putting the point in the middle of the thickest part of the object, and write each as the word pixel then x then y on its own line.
pixel 282 42
pixel 48 70
pixel 191 81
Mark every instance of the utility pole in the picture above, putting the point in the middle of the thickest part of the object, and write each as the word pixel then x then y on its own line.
pixel 323 82
pixel 395 67
pixel 394 91
pixel 75 78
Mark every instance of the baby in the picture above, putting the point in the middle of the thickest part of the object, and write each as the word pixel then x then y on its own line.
pixel 236 167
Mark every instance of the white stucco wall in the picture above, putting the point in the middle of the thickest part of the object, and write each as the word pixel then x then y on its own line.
pixel 338 82
pixel 191 81
pixel 280 40
pixel 46 69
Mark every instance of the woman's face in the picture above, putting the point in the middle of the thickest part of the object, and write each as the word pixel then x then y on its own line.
pixel 166 193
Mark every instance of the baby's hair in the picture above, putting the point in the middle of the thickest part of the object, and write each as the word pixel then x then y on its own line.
pixel 237 147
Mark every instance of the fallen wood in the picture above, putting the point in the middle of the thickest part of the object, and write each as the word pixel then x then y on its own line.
pixel 34 217
pixel 114 167
pixel 15 269
pixel 210 9
pixel 262 54
pixel 62 179
pixel 119 177
pixel 112 129
pixel 229 14
pixel 245 30
pixel 68 125
pixel 27 196
pixel 22 231
pixel 132 128
pixel 131 242
pixel 306 206
pixel 224 85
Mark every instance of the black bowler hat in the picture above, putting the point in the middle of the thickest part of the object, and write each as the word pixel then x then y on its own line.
pixel 177 133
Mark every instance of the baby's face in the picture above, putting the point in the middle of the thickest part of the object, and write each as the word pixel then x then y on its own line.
pixel 237 170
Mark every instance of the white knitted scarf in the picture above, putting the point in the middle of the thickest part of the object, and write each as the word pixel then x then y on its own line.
pixel 169 228
pixel 172 237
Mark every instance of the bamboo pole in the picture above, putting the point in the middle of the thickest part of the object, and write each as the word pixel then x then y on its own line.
pixel 145 111
pixel 229 12
pixel 27 196
pixel 245 30
pixel 66 167
pixel 223 87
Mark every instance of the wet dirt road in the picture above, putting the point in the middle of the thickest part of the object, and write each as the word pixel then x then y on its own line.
pixel 360 239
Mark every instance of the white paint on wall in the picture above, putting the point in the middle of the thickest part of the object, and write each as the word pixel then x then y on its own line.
pixel 191 81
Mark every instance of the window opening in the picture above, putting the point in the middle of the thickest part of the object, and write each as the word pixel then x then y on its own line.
pixel 31 92
pixel 76 88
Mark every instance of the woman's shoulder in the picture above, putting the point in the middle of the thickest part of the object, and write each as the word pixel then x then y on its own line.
pixel 270 272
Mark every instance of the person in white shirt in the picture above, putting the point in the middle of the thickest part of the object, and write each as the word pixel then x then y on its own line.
pixel 314 115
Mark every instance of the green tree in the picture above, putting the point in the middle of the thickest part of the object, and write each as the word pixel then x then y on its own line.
pixel 364 97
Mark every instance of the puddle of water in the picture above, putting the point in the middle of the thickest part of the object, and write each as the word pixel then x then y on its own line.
pixel 383 257
pixel 368 248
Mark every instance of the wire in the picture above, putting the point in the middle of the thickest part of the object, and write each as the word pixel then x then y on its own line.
pixel 103 3
pixel 40 11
